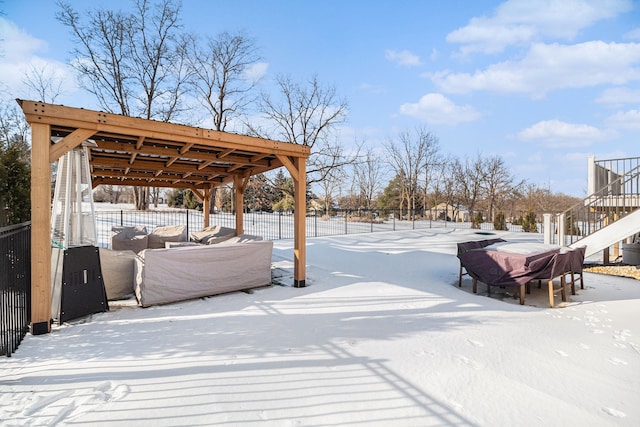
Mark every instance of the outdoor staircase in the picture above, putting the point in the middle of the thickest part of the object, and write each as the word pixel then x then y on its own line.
pixel 610 214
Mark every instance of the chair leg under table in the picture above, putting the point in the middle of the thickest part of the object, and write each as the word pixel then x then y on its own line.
pixel 522 292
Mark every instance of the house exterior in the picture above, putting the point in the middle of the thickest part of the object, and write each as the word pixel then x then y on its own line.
pixel 446 211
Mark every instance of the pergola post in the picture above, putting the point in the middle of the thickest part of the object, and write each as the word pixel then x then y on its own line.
pixel 299 228
pixel 297 167
pixel 40 229
pixel 239 185
pixel 206 206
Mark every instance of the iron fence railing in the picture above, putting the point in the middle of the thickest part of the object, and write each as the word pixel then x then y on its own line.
pixel 279 225
pixel 15 285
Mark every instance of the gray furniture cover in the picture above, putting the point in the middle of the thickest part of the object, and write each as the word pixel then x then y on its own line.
pixel 169 275
pixel 129 238
pixel 117 272
pixel 167 233
pixel 212 235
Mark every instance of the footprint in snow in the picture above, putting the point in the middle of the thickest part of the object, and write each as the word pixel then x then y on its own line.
pixel 476 343
pixel 467 361
pixel 621 335
pixel 616 361
pixel 101 394
pixel 43 402
pixel 562 353
pixel 73 403
pixel 614 412
pixel 423 353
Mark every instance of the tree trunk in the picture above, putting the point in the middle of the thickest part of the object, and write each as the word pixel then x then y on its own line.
pixel 141 198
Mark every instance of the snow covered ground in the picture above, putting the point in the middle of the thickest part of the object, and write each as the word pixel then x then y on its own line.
pixel 382 336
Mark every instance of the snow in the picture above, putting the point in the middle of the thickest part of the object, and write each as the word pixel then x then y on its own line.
pixel 381 336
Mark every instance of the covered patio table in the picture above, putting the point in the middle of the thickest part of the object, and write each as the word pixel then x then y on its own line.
pixel 497 262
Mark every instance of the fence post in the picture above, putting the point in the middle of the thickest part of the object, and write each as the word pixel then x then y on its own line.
pixel 547 229
pixel 346 216
pixel 315 223
pixel 121 218
pixel 371 219
pixel 561 228
pixel 187 222
pixel 279 224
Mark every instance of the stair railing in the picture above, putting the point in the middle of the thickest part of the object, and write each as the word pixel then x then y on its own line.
pixel 607 205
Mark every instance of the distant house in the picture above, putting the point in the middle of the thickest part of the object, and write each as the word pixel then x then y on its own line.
pixel 445 211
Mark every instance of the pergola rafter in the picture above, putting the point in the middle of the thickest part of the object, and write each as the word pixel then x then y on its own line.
pixel 137 152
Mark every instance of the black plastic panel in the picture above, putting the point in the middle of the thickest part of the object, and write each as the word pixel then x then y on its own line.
pixel 83 290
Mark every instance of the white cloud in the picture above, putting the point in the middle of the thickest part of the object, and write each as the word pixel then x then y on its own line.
pixel 17 44
pixel 559 134
pixel 619 96
pixel 549 67
pixel 633 34
pixel 435 108
pixel 403 57
pixel 19 54
pixel 520 21
pixel 625 120
pixel 256 71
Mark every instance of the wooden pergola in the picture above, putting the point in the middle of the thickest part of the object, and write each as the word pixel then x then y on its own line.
pixel 137 152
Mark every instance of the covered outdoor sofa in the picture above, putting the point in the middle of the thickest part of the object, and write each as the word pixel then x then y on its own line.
pixel 180 273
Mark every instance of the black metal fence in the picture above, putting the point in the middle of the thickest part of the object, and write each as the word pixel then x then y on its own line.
pixel 15 285
pixel 279 225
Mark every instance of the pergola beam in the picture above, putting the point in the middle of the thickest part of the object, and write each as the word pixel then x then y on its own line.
pixel 38 112
pixel 69 142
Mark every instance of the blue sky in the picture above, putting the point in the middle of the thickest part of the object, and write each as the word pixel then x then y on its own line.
pixel 544 84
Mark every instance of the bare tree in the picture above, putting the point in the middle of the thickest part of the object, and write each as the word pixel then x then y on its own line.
pixel 409 157
pixel 498 182
pixel 469 175
pixel 221 75
pixel 329 186
pixel 306 115
pixel 367 177
pixel 44 82
pixel 444 186
pixel 432 164
pixel 133 63
pixel 13 125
